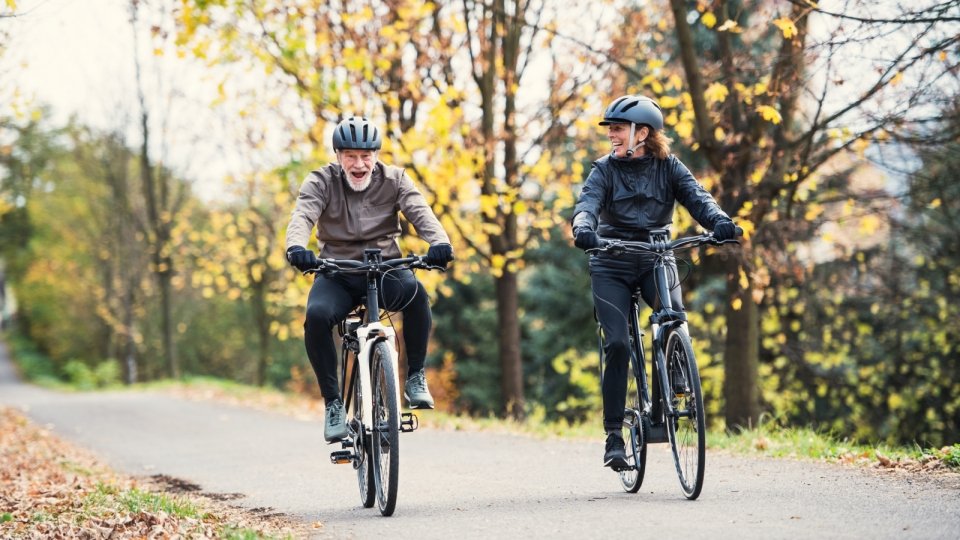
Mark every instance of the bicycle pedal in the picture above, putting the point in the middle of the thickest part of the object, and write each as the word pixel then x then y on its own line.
pixel 624 469
pixel 341 456
pixel 408 422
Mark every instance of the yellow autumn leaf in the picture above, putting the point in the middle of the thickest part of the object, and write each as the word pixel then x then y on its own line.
pixel 12 4
pixel 488 205
pixel 894 401
pixel 719 134
pixel 736 304
pixel 769 114
pixel 934 203
pixel 897 79
pixel 684 128
pixel 760 88
pixel 786 26
pixel 709 19
pixel 669 102
pixel 716 93
pixel 869 225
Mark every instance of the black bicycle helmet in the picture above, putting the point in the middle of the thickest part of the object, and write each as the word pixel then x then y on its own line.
pixel 356 133
pixel 634 109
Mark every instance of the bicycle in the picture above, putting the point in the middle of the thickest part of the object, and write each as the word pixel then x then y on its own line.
pixel 370 387
pixel 672 410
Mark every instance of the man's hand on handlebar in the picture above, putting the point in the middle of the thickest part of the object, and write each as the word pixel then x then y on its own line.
pixel 439 255
pixel 301 258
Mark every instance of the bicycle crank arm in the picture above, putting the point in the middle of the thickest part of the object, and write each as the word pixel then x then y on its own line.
pixel 408 422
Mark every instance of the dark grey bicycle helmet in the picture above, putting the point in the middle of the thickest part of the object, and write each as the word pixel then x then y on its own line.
pixel 356 133
pixel 634 109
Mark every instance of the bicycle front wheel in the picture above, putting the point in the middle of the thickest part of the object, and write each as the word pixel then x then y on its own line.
pixel 686 426
pixel 361 448
pixel 385 436
pixel 632 478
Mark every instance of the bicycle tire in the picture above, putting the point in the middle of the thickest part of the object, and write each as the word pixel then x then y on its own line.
pixel 631 479
pixel 686 428
pixel 385 433
pixel 361 447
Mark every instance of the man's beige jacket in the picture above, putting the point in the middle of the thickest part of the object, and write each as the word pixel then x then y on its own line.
pixel 348 221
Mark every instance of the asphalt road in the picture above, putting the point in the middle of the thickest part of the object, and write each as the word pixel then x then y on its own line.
pixel 457 484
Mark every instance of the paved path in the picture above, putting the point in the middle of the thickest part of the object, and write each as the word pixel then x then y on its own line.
pixel 483 485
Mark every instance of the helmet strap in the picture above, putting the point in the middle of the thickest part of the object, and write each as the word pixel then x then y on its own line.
pixel 632 149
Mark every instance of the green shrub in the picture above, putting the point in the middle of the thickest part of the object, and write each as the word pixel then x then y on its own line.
pixel 107 373
pixel 79 375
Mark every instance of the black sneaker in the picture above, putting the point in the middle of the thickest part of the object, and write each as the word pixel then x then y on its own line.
pixel 616 454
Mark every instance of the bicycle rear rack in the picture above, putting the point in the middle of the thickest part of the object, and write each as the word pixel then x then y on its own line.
pixel 408 422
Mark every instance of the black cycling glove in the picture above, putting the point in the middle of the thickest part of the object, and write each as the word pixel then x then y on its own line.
pixel 439 255
pixel 585 238
pixel 724 230
pixel 301 258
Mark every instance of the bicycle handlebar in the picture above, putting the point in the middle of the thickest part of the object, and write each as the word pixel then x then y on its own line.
pixel 349 265
pixel 616 245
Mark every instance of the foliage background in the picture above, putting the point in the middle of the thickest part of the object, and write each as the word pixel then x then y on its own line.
pixel 855 284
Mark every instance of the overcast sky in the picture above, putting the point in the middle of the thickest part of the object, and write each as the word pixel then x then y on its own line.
pixel 73 55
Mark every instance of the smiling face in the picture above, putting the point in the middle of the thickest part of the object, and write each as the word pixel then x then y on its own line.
pixel 619 135
pixel 358 167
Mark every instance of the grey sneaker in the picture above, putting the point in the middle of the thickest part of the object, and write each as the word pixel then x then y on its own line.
pixel 416 391
pixel 335 427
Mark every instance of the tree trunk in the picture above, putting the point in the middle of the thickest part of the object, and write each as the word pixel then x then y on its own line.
pixel 509 324
pixel 156 198
pixel 130 345
pixel 741 354
pixel 166 305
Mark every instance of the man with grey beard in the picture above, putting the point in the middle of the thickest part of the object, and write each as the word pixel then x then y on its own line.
pixel 354 205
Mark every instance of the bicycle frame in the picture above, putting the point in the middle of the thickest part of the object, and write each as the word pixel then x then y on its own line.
pixel 663 320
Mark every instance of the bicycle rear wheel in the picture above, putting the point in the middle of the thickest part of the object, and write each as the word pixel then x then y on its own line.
pixel 686 428
pixel 361 447
pixel 385 436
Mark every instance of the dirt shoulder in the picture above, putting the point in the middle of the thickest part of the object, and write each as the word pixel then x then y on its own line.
pixel 52 489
